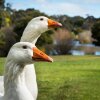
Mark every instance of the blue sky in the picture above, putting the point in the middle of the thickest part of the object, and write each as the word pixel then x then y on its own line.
pixel 58 7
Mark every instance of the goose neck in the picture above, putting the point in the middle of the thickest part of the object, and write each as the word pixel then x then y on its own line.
pixel 14 83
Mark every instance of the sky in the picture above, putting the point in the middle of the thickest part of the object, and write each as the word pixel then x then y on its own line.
pixel 60 7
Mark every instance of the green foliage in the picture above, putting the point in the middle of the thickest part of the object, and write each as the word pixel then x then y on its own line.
pixel 78 21
pixel 96 32
pixel 20 26
pixel 74 24
pixel 7 39
pixel 2 36
pixel 2 4
pixel 45 39
pixel 8 7
pixel 65 20
pixel 21 18
pixel 6 19
pixel 0 20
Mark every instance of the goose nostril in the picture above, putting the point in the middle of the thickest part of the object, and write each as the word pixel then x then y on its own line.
pixel 41 53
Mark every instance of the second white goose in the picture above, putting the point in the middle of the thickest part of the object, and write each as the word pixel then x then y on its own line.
pixel 19 56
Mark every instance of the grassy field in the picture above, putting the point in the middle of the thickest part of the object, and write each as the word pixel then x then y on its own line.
pixel 68 78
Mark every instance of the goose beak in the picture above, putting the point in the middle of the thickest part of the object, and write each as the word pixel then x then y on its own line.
pixel 40 56
pixel 53 24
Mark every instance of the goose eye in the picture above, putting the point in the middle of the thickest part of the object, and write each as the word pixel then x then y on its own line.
pixel 41 19
pixel 24 47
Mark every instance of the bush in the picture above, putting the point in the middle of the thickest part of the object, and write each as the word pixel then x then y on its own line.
pixel 7 39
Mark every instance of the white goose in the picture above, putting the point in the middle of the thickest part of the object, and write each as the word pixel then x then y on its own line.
pixel 36 27
pixel 19 56
pixel 33 30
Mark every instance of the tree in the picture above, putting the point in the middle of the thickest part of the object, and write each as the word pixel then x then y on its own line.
pixel 2 6
pixel 96 32
pixel 7 39
pixel 8 7
pixel 0 20
pixel 77 21
pixel 1 11
pixel 63 41
pixel 65 20
pixel 85 37
pixel 88 23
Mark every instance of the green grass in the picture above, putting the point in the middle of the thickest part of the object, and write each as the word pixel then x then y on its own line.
pixel 2 61
pixel 68 78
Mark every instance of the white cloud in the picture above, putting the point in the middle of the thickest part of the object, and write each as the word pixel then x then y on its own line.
pixel 57 8
pixel 62 8
pixel 40 1
pixel 92 1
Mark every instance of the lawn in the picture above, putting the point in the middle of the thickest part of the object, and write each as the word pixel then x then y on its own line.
pixel 68 78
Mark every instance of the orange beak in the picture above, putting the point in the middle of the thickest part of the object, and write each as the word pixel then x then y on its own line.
pixel 53 24
pixel 40 56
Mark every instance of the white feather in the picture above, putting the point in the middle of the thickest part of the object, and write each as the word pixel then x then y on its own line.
pixel 31 33
pixel 14 78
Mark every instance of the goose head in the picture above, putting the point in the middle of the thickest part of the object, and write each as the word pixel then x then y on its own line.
pixel 36 27
pixel 42 23
pixel 24 53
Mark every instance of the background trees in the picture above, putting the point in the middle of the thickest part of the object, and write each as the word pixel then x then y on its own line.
pixel 13 23
pixel 96 32
pixel 63 41
pixel 2 6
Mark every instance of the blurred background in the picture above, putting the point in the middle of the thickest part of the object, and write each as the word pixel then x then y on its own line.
pixel 80 34
pixel 68 77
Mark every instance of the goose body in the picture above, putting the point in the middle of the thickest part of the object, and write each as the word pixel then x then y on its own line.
pixel 19 56
pixel 1 85
pixel 32 32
